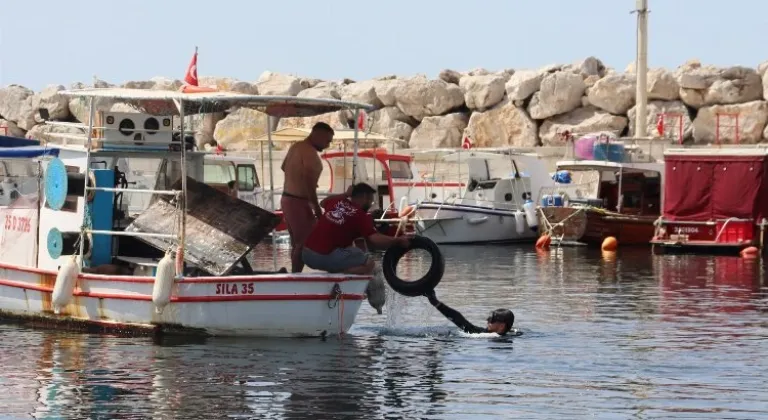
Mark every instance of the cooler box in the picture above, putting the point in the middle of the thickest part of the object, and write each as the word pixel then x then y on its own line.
pixel 552 200
pixel 612 152
pixel 734 232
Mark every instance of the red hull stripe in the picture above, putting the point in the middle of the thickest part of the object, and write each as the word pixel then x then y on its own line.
pixel 185 299
pixel 228 279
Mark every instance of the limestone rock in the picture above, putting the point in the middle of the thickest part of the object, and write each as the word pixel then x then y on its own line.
pixel 590 81
pixel 49 98
pixel 676 112
pixel 560 92
pixel 322 90
pixel 361 92
pixel 16 106
pixel 46 134
pixel 275 84
pixel 761 69
pixel 228 84
pixel 308 83
pixel 482 92
pixel 705 86
pixel 523 84
pixel 450 76
pixel 204 132
pixel 391 122
pixel 590 66
pixel 662 85
pixel 504 125
pixel 9 128
pixel 335 119
pixel 164 83
pixel 580 121
pixel 139 84
pixel 385 91
pixel 753 117
pixel 439 131
pixel 614 93
pixel 419 98
pixel 243 124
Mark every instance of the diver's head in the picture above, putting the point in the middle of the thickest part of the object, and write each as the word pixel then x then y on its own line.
pixel 500 321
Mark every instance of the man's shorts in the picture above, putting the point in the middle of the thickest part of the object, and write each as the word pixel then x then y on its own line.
pixel 338 261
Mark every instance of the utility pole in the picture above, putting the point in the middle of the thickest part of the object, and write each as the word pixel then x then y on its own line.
pixel 641 67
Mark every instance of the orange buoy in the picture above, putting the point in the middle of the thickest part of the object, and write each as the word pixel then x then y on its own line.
pixel 609 255
pixel 750 252
pixel 196 89
pixel 610 244
pixel 543 242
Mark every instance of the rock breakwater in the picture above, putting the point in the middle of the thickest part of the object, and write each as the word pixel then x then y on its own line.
pixel 521 108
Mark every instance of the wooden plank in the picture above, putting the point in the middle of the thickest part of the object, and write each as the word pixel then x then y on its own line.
pixel 220 229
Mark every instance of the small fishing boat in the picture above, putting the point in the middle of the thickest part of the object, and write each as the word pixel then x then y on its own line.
pixel 72 257
pixel 492 209
pixel 715 200
pixel 608 189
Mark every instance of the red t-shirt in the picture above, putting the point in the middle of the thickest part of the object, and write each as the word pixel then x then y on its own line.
pixel 342 223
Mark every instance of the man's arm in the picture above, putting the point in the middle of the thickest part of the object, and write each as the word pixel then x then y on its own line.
pixel 381 241
pixel 310 184
pixel 454 315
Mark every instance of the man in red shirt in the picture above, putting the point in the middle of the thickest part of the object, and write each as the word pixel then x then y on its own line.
pixel 330 246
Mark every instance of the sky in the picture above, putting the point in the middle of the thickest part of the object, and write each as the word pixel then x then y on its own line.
pixel 60 42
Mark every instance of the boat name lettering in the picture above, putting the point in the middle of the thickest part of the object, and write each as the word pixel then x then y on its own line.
pixel 18 223
pixel 684 229
pixel 234 288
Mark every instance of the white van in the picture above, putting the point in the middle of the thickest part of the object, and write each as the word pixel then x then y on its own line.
pixel 219 170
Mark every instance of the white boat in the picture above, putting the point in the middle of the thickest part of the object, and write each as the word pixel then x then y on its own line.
pixel 75 259
pixel 492 209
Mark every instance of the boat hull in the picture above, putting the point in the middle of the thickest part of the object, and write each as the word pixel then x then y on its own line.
pixel 727 236
pixel 276 305
pixel 463 224
pixel 591 226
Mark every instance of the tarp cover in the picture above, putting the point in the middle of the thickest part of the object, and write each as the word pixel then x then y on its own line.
pixel 702 188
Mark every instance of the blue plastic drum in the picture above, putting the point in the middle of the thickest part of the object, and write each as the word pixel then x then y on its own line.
pixel 56 185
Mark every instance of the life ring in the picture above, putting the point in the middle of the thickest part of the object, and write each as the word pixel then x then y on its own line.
pixel 420 286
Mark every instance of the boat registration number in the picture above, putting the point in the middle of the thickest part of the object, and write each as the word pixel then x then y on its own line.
pixel 234 288
pixel 17 223
pixel 687 230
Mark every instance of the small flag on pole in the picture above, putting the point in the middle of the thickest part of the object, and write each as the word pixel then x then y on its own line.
pixel 660 125
pixel 191 77
pixel 466 143
pixel 361 120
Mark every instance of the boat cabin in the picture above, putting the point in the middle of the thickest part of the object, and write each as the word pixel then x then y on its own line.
pixel 715 198
pixel 221 169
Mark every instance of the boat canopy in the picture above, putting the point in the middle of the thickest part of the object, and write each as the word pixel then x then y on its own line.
pixel 163 102
pixel 705 185
pixel 15 147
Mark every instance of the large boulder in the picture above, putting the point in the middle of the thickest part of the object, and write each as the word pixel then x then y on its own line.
pixel 322 90
pixel 236 129
pixel 139 84
pixel 590 66
pixel 450 76
pixel 361 92
pixel 482 92
pixel 560 92
pixel 78 106
pixel 334 119
pixel 523 84
pixel 704 86
pixel 228 84
pixel 675 116
pixel 662 85
pixel 47 134
pixel 580 121
pixel 752 119
pixel 439 131
pixel 391 122
pixel 275 84
pixel 16 106
pixel 614 93
pixel 419 97
pixel 164 83
pixel 9 128
pixel 506 124
pixel 56 105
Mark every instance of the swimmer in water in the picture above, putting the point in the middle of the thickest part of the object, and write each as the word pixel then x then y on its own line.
pixel 499 321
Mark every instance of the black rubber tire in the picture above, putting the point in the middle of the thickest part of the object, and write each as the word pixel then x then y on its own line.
pixel 418 287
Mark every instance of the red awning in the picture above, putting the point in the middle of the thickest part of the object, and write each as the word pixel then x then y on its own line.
pixel 701 188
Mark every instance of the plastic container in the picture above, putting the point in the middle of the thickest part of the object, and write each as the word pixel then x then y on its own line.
pixel 520 222
pixel 583 148
pixel 612 152
pixel 530 214
pixel 549 200
pixel 562 177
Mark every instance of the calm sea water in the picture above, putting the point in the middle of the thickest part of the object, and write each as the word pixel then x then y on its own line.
pixel 629 335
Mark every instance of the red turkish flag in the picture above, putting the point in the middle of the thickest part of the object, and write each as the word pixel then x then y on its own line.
pixel 660 125
pixel 191 76
pixel 467 143
pixel 361 121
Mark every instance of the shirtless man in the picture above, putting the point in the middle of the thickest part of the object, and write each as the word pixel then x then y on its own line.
pixel 302 167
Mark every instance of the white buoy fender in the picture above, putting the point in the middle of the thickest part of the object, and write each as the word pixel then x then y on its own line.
pixel 520 222
pixel 377 291
pixel 530 213
pixel 65 283
pixel 164 278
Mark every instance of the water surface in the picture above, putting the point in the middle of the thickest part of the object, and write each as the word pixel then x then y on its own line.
pixel 626 335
